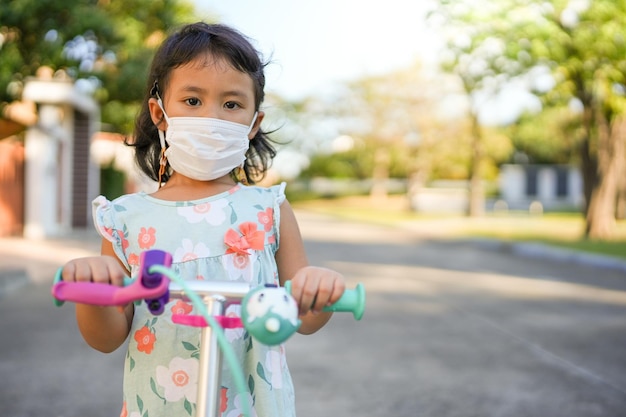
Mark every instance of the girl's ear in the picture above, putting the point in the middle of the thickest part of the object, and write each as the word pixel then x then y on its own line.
pixel 257 125
pixel 156 114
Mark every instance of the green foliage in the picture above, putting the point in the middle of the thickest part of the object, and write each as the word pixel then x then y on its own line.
pixel 585 48
pixel 341 165
pixel 550 137
pixel 583 45
pixel 358 162
pixel 34 33
pixel 112 182
pixel 120 114
pixel 109 42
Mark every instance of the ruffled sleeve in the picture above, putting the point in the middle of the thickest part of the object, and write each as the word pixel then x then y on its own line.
pixel 108 226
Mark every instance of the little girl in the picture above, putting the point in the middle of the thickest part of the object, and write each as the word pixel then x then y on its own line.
pixel 198 135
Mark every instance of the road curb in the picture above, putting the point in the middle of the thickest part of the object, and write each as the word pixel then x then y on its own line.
pixel 543 251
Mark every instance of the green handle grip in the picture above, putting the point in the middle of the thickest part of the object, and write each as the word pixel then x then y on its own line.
pixel 352 301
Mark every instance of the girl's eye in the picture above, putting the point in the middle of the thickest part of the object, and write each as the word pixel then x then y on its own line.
pixel 231 105
pixel 193 101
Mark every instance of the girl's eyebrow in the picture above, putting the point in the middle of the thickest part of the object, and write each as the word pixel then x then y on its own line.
pixel 236 93
pixel 227 93
pixel 193 89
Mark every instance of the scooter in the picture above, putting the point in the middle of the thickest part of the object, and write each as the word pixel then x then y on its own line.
pixel 269 314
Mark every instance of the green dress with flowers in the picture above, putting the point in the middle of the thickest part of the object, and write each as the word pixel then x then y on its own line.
pixel 231 236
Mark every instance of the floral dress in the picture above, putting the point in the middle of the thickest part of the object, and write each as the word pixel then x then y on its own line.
pixel 230 236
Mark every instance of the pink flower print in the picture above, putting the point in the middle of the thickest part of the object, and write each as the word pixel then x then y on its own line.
pixel 213 213
pixel 181 307
pixel 133 259
pixel 241 261
pixel 123 240
pixel 108 231
pixel 146 237
pixel 236 333
pixel 250 238
pixel 179 379
pixel 223 400
pixel 145 340
pixel 201 209
pixel 234 189
pixel 266 218
pixel 239 267
pixel 271 239
pixel 188 251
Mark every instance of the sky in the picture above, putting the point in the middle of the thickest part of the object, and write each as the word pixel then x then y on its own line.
pixel 314 44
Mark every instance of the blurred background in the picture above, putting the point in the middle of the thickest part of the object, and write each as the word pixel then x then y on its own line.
pixel 472 109
pixel 448 154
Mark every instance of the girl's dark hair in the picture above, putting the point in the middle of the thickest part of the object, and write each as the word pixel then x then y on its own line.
pixel 182 47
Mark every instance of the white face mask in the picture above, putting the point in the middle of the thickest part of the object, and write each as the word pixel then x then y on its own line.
pixel 203 148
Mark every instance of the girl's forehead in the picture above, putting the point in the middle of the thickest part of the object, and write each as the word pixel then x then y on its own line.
pixel 208 60
pixel 209 65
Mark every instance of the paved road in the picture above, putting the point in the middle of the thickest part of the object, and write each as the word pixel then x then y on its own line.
pixel 451 329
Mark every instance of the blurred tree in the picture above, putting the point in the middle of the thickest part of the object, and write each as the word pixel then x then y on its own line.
pixel 549 137
pixel 401 128
pixel 583 44
pixel 476 57
pixel 107 43
pixel 397 118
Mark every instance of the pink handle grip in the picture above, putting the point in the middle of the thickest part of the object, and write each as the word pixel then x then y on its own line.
pixel 106 294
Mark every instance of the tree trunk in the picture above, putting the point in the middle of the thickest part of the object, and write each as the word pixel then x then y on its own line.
pixel 589 162
pixel 476 206
pixel 620 205
pixel 600 219
pixel 589 171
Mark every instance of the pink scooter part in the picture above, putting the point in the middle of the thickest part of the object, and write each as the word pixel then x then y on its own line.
pixel 106 294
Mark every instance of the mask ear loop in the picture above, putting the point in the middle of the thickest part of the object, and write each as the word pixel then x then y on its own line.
pixel 162 156
pixel 241 172
pixel 162 159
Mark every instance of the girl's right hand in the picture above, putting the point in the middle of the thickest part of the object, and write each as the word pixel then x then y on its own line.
pixel 101 269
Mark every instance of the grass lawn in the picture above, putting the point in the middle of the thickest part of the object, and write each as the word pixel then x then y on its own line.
pixel 557 229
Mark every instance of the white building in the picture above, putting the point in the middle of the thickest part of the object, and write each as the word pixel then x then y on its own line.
pixel 555 187
pixel 61 179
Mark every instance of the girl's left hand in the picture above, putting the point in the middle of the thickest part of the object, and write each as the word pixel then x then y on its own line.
pixel 314 288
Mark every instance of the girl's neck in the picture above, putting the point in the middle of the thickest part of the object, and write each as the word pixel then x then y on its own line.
pixel 181 188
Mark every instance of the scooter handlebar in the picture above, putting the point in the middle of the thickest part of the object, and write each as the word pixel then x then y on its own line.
pixel 154 288
pixel 149 285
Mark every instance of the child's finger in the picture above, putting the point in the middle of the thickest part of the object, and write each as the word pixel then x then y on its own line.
pixel 338 288
pixel 303 290
pixel 330 289
pixel 308 296
pixel 322 297
pixel 115 272
pixel 69 272
pixel 82 270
